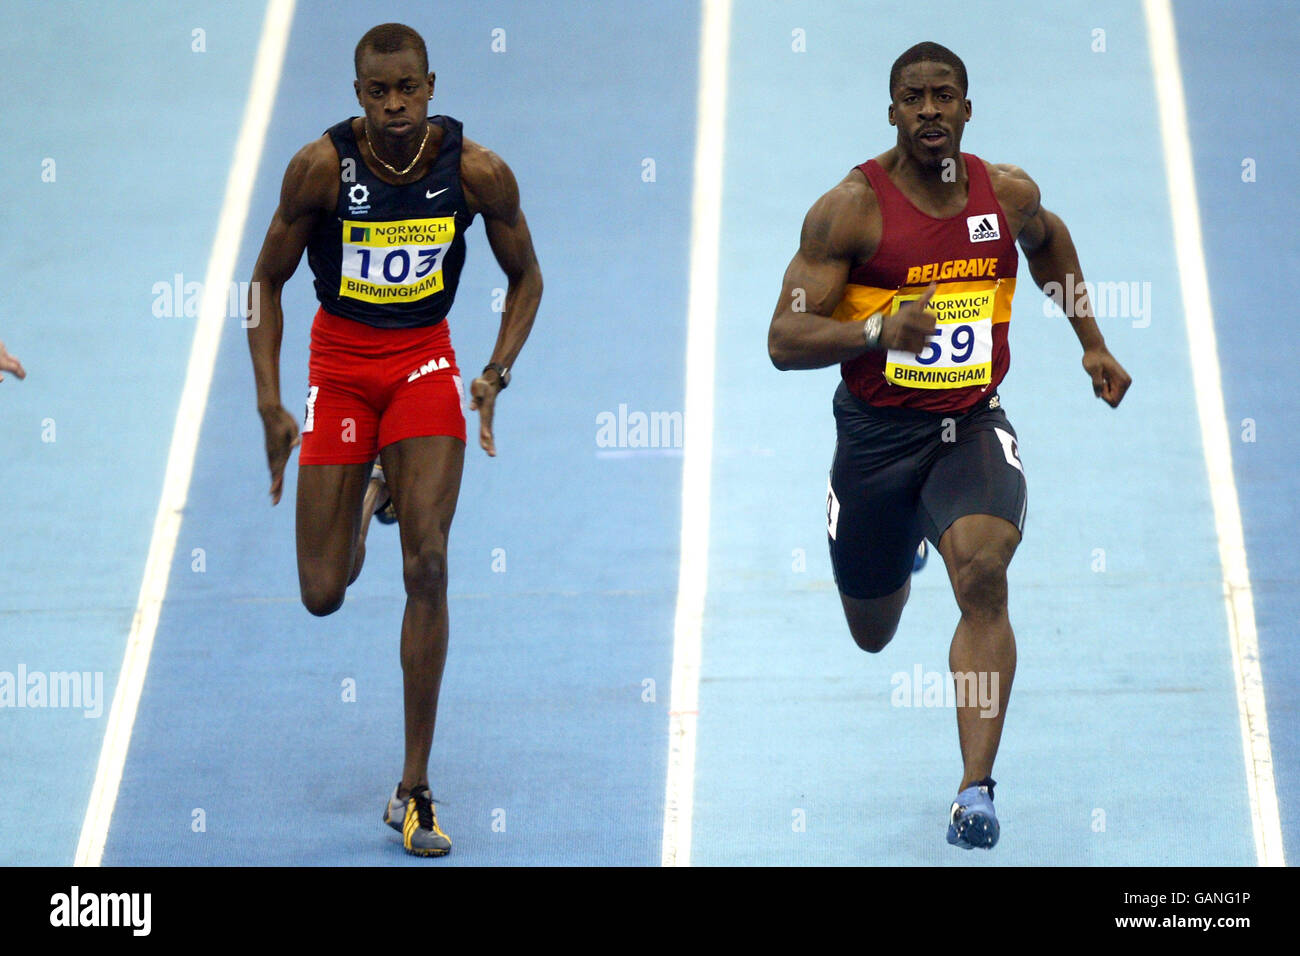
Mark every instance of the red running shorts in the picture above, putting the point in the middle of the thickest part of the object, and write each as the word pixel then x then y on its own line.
pixel 369 387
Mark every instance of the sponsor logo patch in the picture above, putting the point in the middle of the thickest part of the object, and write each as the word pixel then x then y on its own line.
pixel 983 228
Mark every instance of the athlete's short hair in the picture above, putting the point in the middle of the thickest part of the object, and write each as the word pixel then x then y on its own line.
pixel 927 51
pixel 389 38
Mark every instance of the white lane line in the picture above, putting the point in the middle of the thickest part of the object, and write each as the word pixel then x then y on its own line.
pixel 697 446
pixel 1217 447
pixel 185 434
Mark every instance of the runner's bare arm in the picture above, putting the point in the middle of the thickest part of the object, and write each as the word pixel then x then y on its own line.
pixel 301 200
pixel 1054 265
pixel 491 188
pixel 837 232
pixel 802 334
pixel 308 185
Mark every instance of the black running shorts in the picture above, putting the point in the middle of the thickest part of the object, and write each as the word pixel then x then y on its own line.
pixel 900 474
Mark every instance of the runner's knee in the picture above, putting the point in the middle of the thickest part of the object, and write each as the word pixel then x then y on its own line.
pixel 872 637
pixel 874 621
pixel 981 582
pixel 425 570
pixel 322 598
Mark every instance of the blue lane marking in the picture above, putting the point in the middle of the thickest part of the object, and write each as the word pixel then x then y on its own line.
pixel 1124 697
pixel 86 436
pixel 1251 252
pixel 542 715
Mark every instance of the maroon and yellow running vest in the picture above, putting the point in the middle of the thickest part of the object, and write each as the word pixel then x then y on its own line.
pixel 972 258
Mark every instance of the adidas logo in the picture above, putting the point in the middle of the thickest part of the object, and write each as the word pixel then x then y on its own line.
pixel 432 365
pixel 983 228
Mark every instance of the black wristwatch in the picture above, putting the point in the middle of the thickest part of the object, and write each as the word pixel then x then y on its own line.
pixel 503 374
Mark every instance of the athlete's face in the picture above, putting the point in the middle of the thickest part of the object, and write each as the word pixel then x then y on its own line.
pixel 394 92
pixel 930 111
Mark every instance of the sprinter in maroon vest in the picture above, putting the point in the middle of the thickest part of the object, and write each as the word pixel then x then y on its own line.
pixel 904 277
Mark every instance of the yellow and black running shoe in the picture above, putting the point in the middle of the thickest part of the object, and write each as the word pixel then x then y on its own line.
pixel 395 812
pixel 418 823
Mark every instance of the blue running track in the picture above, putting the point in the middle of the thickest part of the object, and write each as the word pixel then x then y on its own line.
pixel 267 736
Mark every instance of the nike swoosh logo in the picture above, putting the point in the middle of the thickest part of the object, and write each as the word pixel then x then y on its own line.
pixel 429 195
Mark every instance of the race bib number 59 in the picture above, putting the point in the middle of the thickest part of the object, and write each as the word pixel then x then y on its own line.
pixel 960 349
pixel 394 261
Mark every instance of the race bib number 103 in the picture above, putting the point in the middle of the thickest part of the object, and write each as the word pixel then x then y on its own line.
pixel 394 261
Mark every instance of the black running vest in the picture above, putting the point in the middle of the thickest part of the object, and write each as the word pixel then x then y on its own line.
pixel 391 256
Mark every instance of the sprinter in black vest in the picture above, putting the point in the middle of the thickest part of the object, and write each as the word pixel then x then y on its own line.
pixel 381 203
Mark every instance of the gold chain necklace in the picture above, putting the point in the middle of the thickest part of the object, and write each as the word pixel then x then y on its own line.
pixel 418 153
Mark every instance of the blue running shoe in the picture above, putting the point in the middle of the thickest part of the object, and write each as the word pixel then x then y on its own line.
pixel 922 555
pixel 972 821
